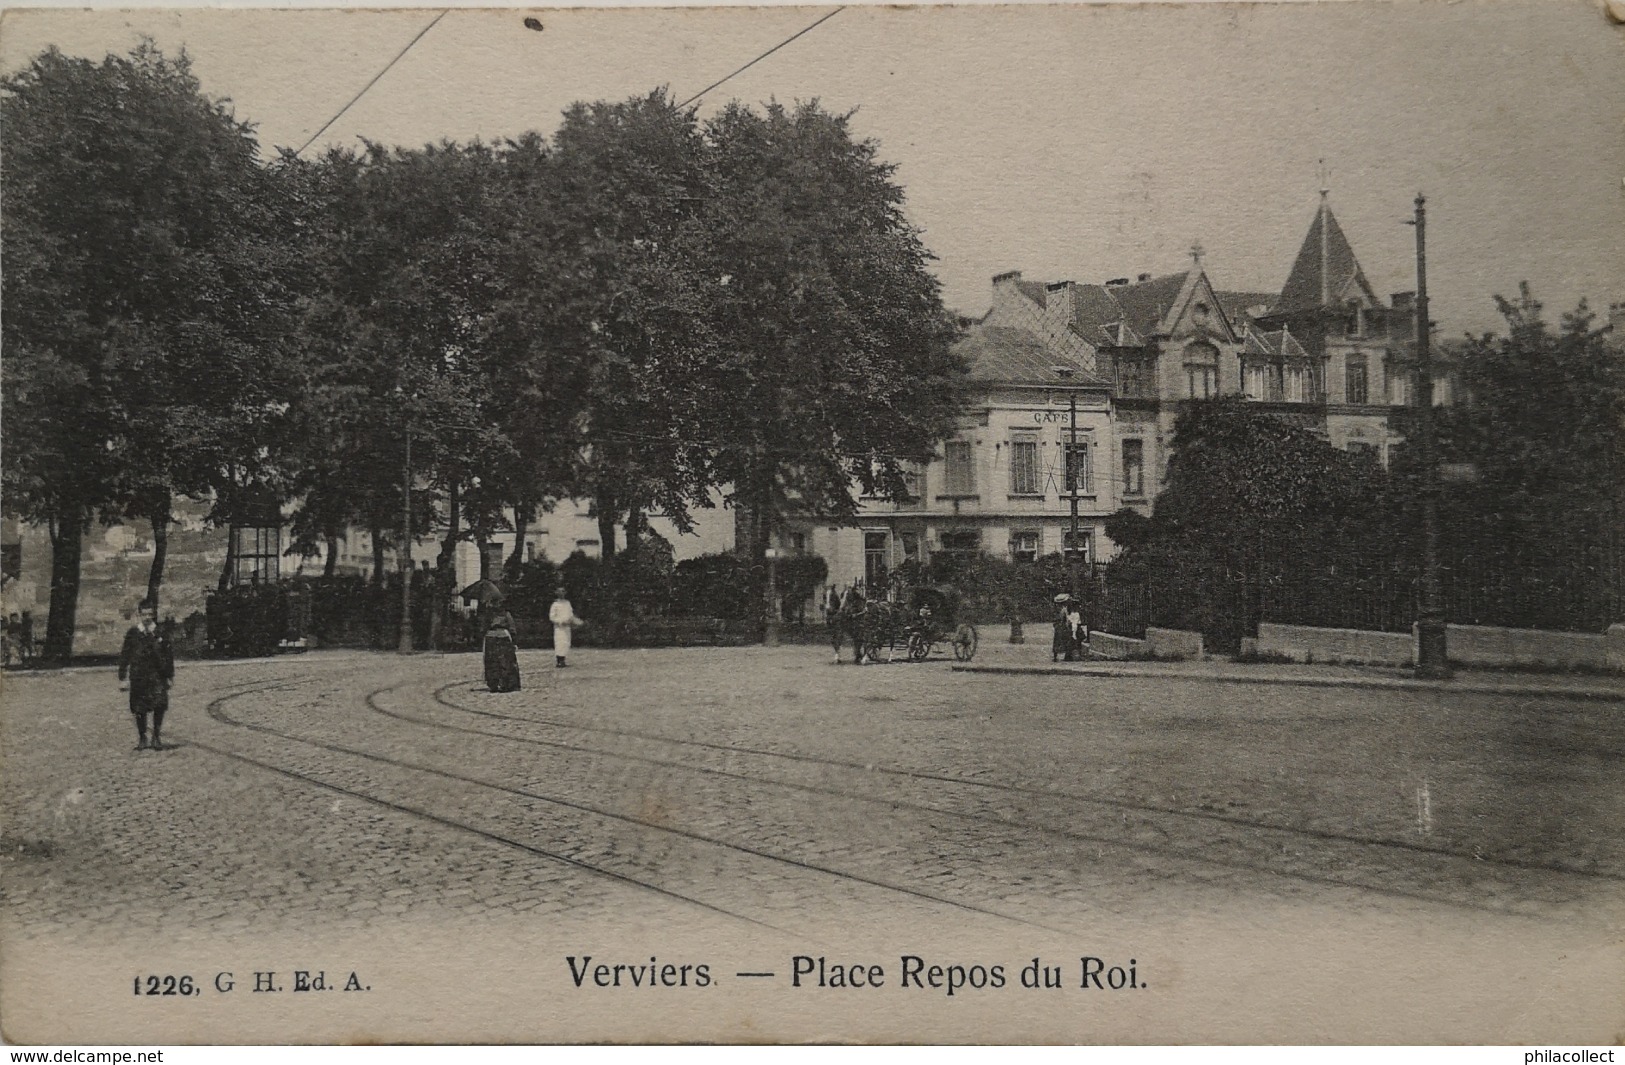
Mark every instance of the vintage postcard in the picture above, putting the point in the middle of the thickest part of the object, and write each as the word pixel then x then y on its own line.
pixel 869 524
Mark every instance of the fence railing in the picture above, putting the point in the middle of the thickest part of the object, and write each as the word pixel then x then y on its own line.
pixel 1576 588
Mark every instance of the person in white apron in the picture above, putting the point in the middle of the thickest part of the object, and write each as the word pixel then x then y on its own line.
pixel 564 620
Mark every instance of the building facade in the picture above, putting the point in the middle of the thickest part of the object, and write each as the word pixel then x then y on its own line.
pixel 1325 352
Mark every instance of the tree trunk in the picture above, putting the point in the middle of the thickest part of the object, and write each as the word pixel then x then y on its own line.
pixel 635 524
pixel 160 518
pixel 231 559
pixel 606 524
pixel 1254 606
pixel 454 521
pixel 67 545
pixel 330 566
pixel 377 553
pixel 521 525
pixel 759 526
pixel 478 535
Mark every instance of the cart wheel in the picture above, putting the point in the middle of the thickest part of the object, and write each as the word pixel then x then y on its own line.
pixel 919 647
pixel 965 643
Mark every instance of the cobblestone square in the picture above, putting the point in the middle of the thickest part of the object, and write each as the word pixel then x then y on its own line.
pixel 1280 862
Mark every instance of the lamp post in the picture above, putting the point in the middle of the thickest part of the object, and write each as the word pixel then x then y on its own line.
pixel 1432 656
pixel 1065 373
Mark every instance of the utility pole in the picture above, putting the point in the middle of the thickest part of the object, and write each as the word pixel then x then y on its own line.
pixel 1072 469
pixel 1432 656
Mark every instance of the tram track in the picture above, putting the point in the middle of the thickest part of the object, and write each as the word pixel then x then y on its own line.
pixel 1120 805
pixel 216 712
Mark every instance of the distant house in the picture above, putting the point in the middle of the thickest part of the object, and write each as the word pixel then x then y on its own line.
pixel 1325 352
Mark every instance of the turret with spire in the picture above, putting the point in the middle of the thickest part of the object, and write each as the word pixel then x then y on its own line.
pixel 1325 273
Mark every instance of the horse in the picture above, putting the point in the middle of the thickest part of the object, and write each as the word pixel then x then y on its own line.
pixel 852 618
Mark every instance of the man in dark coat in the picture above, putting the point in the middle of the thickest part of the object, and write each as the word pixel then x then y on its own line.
pixel 149 664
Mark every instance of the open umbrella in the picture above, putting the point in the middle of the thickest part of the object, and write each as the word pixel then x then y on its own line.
pixel 482 591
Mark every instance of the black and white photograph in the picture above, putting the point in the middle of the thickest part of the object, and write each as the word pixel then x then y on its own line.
pixel 1031 524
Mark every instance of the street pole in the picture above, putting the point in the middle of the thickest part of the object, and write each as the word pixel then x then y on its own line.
pixel 1071 467
pixel 406 553
pixel 1432 655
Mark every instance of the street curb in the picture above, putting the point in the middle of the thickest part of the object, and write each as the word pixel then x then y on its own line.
pixel 1599 695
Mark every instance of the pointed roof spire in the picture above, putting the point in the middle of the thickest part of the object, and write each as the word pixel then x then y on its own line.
pixel 1325 267
pixel 1325 251
pixel 1197 251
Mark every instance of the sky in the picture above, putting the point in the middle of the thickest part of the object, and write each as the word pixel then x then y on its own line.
pixel 1069 142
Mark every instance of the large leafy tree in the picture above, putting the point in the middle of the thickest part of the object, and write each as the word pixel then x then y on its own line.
pixel 142 298
pixel 1252 503
pixel 1537 525
pixel 833 367
pixel 417 351
pixel 615 304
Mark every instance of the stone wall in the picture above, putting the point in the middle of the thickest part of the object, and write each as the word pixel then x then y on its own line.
pixel 1173 643
pixel 1306 643
pixel 1484 645
pixel 1108 645
pixel 1469 645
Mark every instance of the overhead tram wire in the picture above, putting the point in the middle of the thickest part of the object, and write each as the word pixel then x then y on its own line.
pixel 763 56
pixel 374 81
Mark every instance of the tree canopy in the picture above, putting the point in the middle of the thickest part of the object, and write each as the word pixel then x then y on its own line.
pixel 145 297
pixel 1537 527
pixel 643 310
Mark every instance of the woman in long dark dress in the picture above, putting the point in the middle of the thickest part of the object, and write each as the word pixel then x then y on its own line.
pixel 501 661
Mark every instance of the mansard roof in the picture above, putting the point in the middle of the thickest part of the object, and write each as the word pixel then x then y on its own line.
pixel 1238 305
pixel 1009 355
pixel 1126 315
pixel 1033 290
pixel 1326 272
pixel 1095 310
pixel 1144 304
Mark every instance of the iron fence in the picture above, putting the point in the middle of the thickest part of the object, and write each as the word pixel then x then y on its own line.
pixel 1571 586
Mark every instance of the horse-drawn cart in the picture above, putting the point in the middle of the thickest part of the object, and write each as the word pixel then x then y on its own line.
pixel 936 621
pixel 928 619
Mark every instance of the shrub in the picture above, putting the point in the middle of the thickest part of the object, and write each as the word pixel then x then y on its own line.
pixel 251 619
pixel 800 578
pixel 716 586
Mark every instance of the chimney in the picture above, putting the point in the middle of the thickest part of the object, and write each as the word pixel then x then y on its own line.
pixel 1402 301
pixel 1006 279
pixel 1143 278
pixel 1117 282
pixel 1060 298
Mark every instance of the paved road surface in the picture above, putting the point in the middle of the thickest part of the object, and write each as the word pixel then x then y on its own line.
pixel 1382 865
